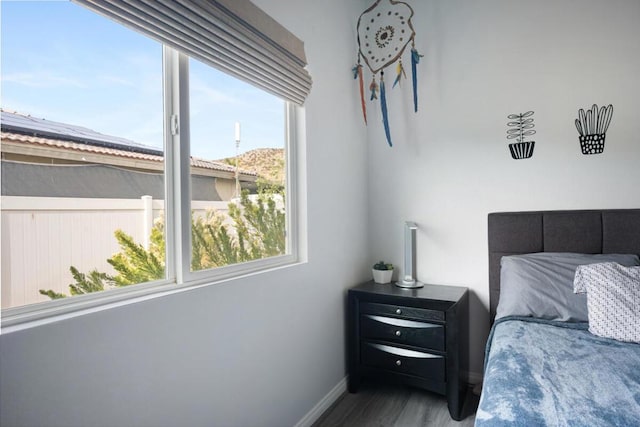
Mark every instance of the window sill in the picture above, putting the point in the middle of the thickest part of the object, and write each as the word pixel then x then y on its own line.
pixel 26 317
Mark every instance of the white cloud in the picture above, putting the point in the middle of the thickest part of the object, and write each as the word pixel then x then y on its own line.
pixel 117 80
pixel 41 79
pixel 203 95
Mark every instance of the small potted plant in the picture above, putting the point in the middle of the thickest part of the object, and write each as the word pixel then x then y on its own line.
pixel 592 126
pixel 520 129
pixel 382 272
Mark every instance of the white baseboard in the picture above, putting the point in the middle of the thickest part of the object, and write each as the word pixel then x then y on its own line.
pixel 329 399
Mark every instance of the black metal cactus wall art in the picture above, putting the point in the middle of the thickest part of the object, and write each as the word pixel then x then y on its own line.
pixel 592 126
pixel 521 127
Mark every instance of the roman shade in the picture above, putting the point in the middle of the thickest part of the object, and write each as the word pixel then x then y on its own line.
pixel 234 36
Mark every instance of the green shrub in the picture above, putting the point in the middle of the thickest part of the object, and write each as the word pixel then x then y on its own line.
pixel 258 232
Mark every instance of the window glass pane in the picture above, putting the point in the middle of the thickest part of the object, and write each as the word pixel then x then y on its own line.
pixel 82 154
pixel 237 170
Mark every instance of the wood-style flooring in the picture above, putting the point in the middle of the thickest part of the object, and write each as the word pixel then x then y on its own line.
pixel 397 406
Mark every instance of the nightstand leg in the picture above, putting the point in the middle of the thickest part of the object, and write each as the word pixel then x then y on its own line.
pixel 353 383
pixel 455 402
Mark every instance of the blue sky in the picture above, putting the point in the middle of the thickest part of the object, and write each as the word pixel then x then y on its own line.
pixel 64 63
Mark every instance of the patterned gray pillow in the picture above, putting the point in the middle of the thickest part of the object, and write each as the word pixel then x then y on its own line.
pixel 613 299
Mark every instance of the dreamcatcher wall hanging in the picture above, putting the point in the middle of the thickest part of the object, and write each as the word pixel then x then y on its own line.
pixel 384 31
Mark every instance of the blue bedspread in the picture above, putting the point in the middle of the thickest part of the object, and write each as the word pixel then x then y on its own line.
pixel 542 373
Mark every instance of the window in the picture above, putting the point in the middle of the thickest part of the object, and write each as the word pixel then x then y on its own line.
pixel 223 124
pixel 131 161
pixel 82 153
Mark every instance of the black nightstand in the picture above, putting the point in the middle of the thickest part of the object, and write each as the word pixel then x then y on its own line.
pixel 410 336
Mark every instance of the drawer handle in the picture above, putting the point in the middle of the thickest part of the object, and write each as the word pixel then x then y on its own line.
pixel 398 311
pixel 398 333
pixel 403 352
pixel 401 322
pixel 398 362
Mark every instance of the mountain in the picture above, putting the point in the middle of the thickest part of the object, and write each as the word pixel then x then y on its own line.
pixel 268 163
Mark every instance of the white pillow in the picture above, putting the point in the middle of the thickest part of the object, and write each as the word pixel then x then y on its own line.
pixel 613 299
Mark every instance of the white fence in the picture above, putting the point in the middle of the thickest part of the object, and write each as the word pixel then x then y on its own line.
pixel 43 236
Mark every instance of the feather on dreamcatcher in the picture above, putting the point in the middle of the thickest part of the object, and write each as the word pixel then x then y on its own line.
pixel 384 31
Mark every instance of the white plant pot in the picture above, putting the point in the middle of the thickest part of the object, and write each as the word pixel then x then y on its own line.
pixel 382 276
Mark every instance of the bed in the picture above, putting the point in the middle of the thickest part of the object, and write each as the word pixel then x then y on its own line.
pixel 546 361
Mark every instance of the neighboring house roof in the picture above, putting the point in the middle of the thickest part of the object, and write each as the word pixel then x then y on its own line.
pixel 8 137
pixel 26 124
pixel 23 129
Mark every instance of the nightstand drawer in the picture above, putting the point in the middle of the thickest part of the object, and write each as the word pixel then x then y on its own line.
pixel 410 332
pixel 418 363
pixel 401 311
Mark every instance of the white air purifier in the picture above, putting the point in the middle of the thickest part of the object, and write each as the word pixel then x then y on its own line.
pixel 409 280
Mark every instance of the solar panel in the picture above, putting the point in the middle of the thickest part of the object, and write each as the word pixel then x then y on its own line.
pixel 19 123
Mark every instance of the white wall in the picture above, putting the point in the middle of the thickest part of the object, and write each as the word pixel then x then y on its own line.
pixel 257 351
pixel 264 350
pixel 450 164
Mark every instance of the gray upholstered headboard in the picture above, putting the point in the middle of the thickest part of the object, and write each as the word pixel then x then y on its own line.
pixel 582 231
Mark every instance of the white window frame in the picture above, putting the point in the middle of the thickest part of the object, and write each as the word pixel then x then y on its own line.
pixel 179 62
pixel 178 217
